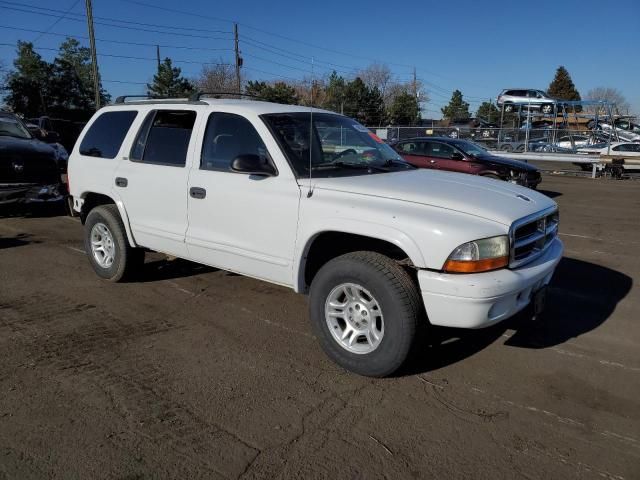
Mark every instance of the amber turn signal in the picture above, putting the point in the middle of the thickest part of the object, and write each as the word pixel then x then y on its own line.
pixel 475 266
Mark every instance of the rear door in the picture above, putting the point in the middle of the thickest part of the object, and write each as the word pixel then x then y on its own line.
pixel 152 179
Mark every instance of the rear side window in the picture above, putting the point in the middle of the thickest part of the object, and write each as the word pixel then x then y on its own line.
pixel 227 137
pixel 106 134
pixel 164 138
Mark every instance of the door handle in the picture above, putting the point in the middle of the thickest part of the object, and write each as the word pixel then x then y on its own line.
pixel 197 192
pixel 121 182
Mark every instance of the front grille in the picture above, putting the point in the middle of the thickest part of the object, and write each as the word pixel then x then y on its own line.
pixel 530 236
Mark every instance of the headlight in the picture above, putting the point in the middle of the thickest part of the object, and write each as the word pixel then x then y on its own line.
pixel 479 256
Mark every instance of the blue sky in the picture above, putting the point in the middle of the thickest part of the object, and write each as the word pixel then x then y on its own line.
pixel 477 47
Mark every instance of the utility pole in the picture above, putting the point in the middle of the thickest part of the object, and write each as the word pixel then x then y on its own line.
pixel 415 84
pixel 238 58
pixel 94 55
pixel 158 56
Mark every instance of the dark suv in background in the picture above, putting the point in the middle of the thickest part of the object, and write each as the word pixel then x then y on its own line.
pixel 462 156
pixel 30 169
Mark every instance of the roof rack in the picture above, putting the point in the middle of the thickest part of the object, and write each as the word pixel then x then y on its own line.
pixel 198 95
pixel 122 98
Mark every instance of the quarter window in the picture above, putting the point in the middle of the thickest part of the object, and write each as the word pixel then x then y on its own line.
pixel 228 136
pixel 106 134
pixel 164 138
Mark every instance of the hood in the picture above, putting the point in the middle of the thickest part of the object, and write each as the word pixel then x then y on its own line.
pixel 507 162
pixel 27 160
pixel 490 199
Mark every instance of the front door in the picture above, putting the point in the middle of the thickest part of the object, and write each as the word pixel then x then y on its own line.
pixel 153 181
pixel 240 222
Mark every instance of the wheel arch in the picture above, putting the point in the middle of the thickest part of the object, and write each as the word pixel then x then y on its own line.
pixel 91 200
pixel 326 244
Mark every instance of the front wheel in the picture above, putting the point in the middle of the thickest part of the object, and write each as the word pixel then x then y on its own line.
pixel 107 247
pixel 365 309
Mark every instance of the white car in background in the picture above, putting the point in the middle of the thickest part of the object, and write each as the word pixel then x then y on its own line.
pixel 629 150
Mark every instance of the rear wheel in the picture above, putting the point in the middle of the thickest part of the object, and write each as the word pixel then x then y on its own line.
pixel 107 247
pixel 508 107
pixel 365 309
pixel 506 147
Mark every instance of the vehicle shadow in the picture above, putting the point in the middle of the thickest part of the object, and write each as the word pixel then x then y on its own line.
pixel 550 194
pixel 17 241
pixel 581 297
pixel 19 210
pixel 168 269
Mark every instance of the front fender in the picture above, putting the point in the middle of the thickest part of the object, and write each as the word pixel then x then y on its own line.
pixel 350 226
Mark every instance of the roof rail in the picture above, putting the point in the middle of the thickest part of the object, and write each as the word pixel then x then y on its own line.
pixel 198 95
pixel 122 98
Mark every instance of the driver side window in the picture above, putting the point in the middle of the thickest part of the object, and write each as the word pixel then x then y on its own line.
pixel 440 150
pixel 228 136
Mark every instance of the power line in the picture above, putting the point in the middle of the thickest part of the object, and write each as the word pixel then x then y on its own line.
pixel 128 57
pixel 116 20
pixel 57 21
pixel 137 29
pixel 122 42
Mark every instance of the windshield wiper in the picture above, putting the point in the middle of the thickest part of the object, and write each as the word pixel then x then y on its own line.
pixel 354 166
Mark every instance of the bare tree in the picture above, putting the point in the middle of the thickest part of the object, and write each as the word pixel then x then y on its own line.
pixel 217 78
pixel 377 75
pixel 611 95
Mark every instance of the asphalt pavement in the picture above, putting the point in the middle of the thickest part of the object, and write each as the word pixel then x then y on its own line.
pixel 191 372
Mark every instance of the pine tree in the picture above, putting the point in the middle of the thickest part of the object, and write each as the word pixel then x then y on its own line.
pixel 489 112
pixel 562 86
pixel 363 103
pixel 457 107
pixel 405 109
pixel 71 86
pixel 169 82
pixel 28 83
pixel 278 92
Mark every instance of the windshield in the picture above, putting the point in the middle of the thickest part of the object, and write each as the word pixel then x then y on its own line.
pixel 12 127
pixel 470 149
pixel 338 145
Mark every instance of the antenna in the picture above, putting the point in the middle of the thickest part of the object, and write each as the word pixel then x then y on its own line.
pixel 310 191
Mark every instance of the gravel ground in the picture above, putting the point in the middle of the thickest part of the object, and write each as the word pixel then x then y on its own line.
pixel 192 372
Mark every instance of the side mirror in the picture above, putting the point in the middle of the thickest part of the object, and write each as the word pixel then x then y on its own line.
pixel 52 137
pixel 456 156
pixel 252 165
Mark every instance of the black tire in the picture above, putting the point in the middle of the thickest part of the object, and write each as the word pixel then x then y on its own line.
pixel 506 148
pixel 399 300
pixel 508 107
pixel 546 108
pixel 126 260
pixel 519 149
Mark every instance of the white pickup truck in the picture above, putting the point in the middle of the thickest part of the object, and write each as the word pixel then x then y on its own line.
pixel 266 190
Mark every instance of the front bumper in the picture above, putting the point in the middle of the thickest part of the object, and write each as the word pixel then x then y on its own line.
pixel 30 193
pixel 482 299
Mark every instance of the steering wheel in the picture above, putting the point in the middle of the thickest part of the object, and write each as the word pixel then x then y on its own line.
pixel 348 151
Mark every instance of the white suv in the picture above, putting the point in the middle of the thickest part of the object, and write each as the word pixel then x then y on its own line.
pixel 250 187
